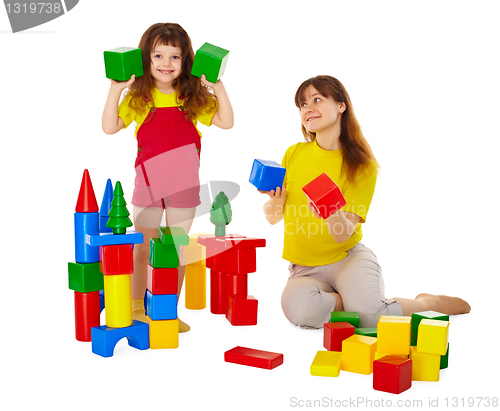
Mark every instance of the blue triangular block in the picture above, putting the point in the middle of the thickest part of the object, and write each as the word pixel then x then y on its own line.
pixel 106 199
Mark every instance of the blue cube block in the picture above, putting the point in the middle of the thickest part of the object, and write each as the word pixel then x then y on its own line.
pixel 104 338
pixel 161 306
pixel 267 175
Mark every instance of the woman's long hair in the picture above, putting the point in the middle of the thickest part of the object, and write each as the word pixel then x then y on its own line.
pixel 195 96
pixel 356 152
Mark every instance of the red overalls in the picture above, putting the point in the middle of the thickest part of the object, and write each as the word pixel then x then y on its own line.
pixel 168 160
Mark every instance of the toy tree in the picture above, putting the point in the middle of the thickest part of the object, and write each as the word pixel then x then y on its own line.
pixel 118 214
pixel 221 214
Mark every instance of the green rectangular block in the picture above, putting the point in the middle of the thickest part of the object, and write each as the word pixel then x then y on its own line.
pixel 369 332
pixel 211 61
pixel 444 359
pixel 122 62
pixel 163 255
pixel 345 316
pixel 417 317
pixel 85 277
pixel 173 236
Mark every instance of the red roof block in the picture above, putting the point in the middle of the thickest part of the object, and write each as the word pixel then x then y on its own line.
pixel 87 202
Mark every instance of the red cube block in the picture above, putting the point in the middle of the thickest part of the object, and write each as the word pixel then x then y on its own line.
pixel 254 358
pixel 117 259
pixel 242 310
pixel 392 374
pixel 335 333
pixel 162 280
pixel 325 195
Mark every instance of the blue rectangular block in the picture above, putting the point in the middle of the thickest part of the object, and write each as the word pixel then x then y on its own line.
pixel 104 338
pixel 161 306
pixel 130 237
pixel 86 224
pixel 266 175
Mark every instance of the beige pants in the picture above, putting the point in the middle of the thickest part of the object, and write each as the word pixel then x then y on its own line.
pixel 306 298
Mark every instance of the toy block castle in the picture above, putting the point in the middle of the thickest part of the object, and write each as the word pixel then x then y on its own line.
pixel 400 350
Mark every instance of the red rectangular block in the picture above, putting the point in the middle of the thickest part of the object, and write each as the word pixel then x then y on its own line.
pixel 253 358
pixel 325 195
pixel 242 310
pixel 392 374
pixel 162 280
pixel 117 259
pixel 335 333
pixel 87 314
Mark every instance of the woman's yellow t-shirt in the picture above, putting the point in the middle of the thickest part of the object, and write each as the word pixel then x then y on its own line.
pixel 307 240
pixel 129 115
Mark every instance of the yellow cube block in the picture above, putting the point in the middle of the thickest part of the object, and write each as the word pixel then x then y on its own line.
pixel 358 353
pixel 196 287
pixel 326 364
pixel 194 253
pixel 163 334
pixel 433 336
pixel 379 355
pixel 425 367
pixel 118 300
pixel 394 335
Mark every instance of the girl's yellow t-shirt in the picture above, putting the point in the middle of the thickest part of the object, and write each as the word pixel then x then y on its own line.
pixel 129 115
pixel 307 240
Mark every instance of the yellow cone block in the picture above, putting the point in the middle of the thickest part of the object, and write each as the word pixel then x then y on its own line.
pixel 358 353
pixel 163 334
pixel 425 367
pixel 433 336
pixel 394 335
pixel 326 364
pixel 196 287
pixel 194 253
pixel 118 300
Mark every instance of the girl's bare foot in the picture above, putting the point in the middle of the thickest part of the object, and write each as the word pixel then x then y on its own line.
pixel 445 304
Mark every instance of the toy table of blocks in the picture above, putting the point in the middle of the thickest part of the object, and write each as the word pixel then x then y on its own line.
pixel 324 195
pixel 230 259
pixel 211 61
pixel 267 175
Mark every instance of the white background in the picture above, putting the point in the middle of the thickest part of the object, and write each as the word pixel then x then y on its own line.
pixel 424 80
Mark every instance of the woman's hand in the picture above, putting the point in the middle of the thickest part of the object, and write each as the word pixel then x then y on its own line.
pixel 313 210
pixel 278 194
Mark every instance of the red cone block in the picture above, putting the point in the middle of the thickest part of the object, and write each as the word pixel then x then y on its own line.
pixel 87 202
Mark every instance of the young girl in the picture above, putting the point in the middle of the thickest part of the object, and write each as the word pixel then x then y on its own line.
pixel 330 269
pixel 166 103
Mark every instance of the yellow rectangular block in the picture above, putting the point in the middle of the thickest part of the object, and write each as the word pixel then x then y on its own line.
pixel 163 334
pixel 326 364
pixel 194 253
pixel 358 353
pixel 425 367
pixel 394 335
pixel 433 336
pixel 196 287
pixel 118 300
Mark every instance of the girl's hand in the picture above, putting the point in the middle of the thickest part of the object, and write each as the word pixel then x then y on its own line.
pixel 122 85
pixel 279 193
pixel 207 83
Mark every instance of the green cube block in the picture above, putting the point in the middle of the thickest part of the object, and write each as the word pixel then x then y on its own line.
pixel 85 278
pixel 444 359
pixel 369 332
pixel 173 236
pixel 122 62
pixel 345 316
pixel 417 317
pixel 211 61
pixel 163 255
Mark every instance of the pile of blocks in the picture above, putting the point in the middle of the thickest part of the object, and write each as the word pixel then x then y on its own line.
pixel 400 350
pixel 162 287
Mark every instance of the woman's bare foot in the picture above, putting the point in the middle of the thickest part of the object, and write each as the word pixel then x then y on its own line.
pixel 445 304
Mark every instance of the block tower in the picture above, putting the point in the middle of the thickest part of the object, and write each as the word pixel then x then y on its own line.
pixel 162 286
pixel 230 259
pixel 117 265
pixel 85 277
